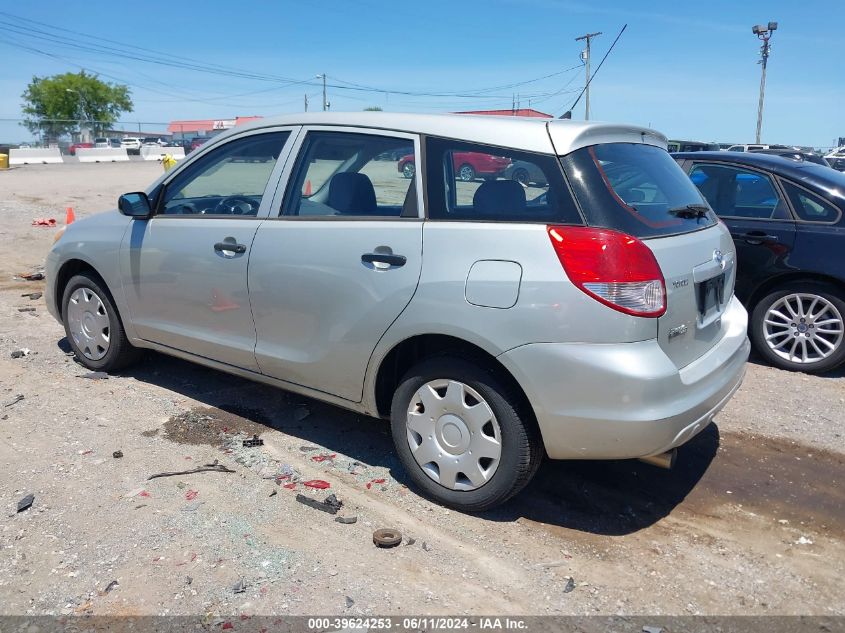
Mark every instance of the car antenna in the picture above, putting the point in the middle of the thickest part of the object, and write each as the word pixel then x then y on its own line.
pixel 568 113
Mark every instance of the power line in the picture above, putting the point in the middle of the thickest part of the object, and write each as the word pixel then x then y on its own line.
pixel 569 112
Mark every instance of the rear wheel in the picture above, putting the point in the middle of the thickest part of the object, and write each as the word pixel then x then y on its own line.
pixel 466 172
pixel 409 169
pixel 521 176
pixel 93 327
pixel 801 327
pixel 461 434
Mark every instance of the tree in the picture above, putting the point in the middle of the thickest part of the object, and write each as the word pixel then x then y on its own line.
pixel 373 109
pixel 60 104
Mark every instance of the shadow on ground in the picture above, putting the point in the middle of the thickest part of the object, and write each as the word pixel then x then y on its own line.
pixel 599 497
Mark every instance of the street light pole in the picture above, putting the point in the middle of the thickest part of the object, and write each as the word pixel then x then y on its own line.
pixel 585 56
pixel 764 34
pixel 81 110
pixel 325 102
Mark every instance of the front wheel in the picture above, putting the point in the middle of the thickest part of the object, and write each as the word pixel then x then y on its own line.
pixel 93 327
pixel 409 169
pixel 462 435
pixel 800 327
pixel 466 172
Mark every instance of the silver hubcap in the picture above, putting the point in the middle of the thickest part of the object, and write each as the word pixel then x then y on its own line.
pixel 803 328
pixel 88 323
pixel 453 434
pixel 466 173
pixel 408 170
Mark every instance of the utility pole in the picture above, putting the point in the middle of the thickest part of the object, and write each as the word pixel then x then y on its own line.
pixel 325 102
pixel 585 57
pixel 764 34
pixel 306 102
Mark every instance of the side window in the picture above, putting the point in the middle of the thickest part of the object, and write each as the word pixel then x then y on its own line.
pixel 810 207
pixel 738 193
pixel 348 174
pixel 467 181
pixel 229 180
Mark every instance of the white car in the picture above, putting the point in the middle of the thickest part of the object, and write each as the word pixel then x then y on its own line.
pixel 101 142
pixel 131 142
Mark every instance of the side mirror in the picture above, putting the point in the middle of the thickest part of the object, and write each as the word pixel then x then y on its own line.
pixel 135 205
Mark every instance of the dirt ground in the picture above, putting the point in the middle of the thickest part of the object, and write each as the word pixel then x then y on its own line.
pixel 749 522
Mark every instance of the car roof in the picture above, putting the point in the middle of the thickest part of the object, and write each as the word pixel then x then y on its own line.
pixel 812 174
pixel 524 133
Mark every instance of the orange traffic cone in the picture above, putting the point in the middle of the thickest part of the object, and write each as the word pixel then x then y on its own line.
pixel 69 216
pixel 307 188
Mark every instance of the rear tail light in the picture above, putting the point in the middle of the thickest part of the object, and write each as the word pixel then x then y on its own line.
pixel 612 267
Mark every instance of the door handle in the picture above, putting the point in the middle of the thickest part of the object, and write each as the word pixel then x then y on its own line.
pixel 384 258
pixel 230 247
pixel 756 237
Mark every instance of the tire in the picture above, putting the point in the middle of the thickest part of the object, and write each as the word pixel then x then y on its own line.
pixel 97 315
pixel 409 169
pixel 519 442
pixel 823 309
pixel 466 172
pixel 521 176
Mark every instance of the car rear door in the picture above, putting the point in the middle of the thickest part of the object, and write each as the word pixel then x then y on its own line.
pixel 338 260
pixel 184 270
pixel 752 205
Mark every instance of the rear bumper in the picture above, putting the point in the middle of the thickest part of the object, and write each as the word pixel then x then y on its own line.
pixel 627 400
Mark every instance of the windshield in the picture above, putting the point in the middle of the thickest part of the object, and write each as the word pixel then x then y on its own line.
pixel 635 188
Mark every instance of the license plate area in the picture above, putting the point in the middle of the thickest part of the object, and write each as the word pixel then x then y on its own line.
pixel 711 296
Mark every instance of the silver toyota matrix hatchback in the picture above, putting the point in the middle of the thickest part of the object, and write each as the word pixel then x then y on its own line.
pixel 397 265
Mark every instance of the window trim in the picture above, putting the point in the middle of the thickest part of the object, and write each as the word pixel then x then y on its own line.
pixel 275 212
pixel 773 179
pixel 266 199
pixel 812 194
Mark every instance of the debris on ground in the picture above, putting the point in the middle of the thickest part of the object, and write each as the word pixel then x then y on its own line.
pixel 387 537
pixel 109 587
pixel 20 353
pixel 426 547
pixel 570 584
pixel 96 375
pixel 301 413
pixel 319 484
pixel 255 441
pixel 26 309
pixel 117 454
pixel 374 481
pixel 188 580
pixel 306 449
pixel 324 457
pixel 213 467
pixel 347 520
pixel 652 629
pixel 349 602
pixel 240 586
pixel 330 504
pixel 191 495
pixel 803 541
pixel 26 502
pixel 33 295
pixel 44 222
pixel 14 400
pixel 274 492
pixel 411 540
pixel 34 276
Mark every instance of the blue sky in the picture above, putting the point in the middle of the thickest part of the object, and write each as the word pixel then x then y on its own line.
pixel 687 69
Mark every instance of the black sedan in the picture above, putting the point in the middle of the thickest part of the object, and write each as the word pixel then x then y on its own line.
pixel 787 219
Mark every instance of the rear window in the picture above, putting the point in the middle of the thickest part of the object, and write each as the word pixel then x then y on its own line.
pixel 469 181
pixel 635 188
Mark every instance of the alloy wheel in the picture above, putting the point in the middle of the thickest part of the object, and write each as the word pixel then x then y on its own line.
pixel 803 328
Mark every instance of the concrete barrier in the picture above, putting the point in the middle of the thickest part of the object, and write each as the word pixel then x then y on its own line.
pixel 35 156
pixel 101 155
pixel 151 152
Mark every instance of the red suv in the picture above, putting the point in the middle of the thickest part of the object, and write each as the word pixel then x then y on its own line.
pixel 467 165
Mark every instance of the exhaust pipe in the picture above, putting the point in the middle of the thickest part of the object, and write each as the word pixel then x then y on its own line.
pixel 663 460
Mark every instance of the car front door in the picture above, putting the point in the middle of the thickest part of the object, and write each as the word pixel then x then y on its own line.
pixel 755 211
pixel 184 270
pixel 338 262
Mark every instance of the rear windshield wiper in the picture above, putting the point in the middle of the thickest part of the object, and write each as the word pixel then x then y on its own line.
pixel 690 211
